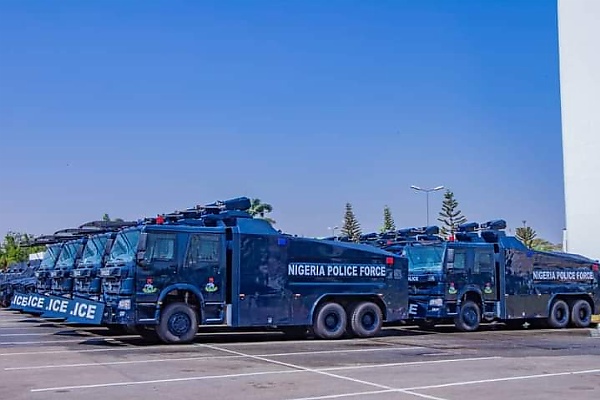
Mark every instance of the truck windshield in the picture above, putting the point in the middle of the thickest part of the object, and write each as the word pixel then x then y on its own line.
pixel 425 259
pixel 67 256
pixel 50 256
pixel 94 249
pixel 124 246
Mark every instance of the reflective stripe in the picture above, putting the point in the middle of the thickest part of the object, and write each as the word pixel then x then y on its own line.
pixel 596 318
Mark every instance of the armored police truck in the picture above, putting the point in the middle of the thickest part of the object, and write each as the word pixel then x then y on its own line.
pixel 217 265
pixel 86 280
pixel 484 275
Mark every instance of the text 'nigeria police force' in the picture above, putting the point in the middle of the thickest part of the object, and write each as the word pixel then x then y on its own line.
pixel 340 270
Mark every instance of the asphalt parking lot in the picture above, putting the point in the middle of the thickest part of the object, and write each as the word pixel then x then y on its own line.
pixel 45 360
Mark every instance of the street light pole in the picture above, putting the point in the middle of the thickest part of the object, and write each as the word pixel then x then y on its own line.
pixel 333 231
pixel 427 191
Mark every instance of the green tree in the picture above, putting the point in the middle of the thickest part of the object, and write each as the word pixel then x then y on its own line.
pixel 12 249
pixel 351 226
pixel 450 216
pixel 526 234
pixel 388 220
pixel 545 245
pixel 260 209
pixel 106 218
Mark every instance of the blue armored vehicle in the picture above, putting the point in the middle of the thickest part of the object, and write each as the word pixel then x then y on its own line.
pixel 86 280
pixel 217 265
pixel 484 275
pixel 11 276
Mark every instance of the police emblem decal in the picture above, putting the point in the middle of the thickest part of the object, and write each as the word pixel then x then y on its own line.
pixel 210 286
pixel 149 287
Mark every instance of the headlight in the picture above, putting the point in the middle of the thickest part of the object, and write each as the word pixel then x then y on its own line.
pixel 436 302
pixel 125 304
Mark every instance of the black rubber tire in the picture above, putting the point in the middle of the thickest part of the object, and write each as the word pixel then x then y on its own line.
pixel 330 321
pixel 559 316
pixel 366 319
pixel 468 318
pixel 581 314
pixel 188 324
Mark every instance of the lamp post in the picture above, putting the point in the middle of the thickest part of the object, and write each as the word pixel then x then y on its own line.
pixel 427 191
pixel 333 231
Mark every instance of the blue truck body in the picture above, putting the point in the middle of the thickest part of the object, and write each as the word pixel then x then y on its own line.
pixel 484 275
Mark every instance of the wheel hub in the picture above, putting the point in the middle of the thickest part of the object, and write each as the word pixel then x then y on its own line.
pixel 179 324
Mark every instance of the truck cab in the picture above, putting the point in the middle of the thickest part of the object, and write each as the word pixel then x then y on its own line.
pixel 61 281
pixel 87 282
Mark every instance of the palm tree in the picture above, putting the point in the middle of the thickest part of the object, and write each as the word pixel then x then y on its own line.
pixel 258 208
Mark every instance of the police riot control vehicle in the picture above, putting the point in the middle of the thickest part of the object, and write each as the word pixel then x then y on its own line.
pixel 40 282
pixel 87 282
pixel 52 255
pixel 13 273
pixel 484 275
pixel 22 280
pixel 217 265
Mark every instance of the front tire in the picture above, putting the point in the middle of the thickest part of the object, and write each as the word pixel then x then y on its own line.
pixel 330 321
pixel 469 317
pixel 581 314
pixel 559 315
pixel 178 324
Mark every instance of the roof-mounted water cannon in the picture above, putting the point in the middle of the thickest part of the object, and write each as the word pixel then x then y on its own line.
pixel 108 226
pixel 467 232
pixel 210 214
pixel 491 231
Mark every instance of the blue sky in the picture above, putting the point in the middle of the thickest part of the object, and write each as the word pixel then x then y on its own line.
pixel 135 108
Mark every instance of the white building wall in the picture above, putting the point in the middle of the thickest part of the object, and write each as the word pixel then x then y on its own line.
pixel 579 49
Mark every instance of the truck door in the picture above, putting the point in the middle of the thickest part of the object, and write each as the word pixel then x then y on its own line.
pixel 158 269
pixel 205 268
pixel 484 273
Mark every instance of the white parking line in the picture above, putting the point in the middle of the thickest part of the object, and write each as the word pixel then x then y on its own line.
pixel 83 339
pixel 206 377
pixel 299 353
pixel 481 381
pixel 510 378
pixel 322 372
pixel 192 378
pixel 31 334
pixel 127 348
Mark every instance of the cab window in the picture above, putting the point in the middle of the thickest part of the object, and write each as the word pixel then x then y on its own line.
pixel 203 249
pixel 484 261
pixel 160 247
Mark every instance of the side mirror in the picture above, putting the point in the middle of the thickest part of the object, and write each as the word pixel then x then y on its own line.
pixel 450 260
pixel 141 247
pixel 450 256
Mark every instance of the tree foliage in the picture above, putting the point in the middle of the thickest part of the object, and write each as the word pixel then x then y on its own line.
pixel 388 220
pixel 12 251
pixel 351 227
pixel 260 209
pixel 526 234
pixel 450 216
pixel 106 218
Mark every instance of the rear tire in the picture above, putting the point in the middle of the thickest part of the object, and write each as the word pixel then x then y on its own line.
pixel 178 324
pixel 330 321
pixel 581 314
pixel 559 315
pixel 366 319
pixel 468 318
